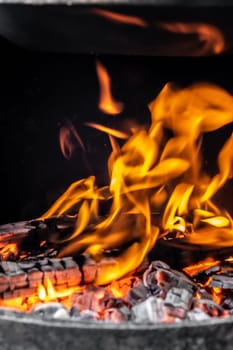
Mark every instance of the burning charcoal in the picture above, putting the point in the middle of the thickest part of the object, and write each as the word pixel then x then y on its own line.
pixel 149 311
pixel 27 265
pixel 197 315
pixel 74 312
pixel 117 315
pixel 150 278
pixel 178 298
pixel 168 278
pixel 34 277
pixel 4 282
pixel 48 273
pixel 222 281
pixel 210 307
pixel 138 294
pixel 92 298
pixel 15 232
pixel 203 294
pixel 17 277
pixel 50 310
pixel 89 315
pixel 89 270
pixel 73 273
pixel 22 292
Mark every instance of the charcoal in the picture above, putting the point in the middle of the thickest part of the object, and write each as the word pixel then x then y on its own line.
pixel 116 315
pixel 203 294
pixel 228 303
pixel 89 315
pixel 15 232
pixel 22 292
pixel 178 298
pixel 221 281
pixel 10 268
pixel 210 307
pixel 137 294
pixel 197 315
pixel 50 310
pixel 168 278
pixel 48 273
pixel 149 311
pixel 74 312
pixel 4 282
pixel 92 298
pixel 150 278
pixel 89 270
pixel 27 265
pixel 34 277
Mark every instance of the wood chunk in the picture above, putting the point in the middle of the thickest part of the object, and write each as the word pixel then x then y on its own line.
pixel 89 270
pixel 4 282
pixel 48 273
pixel 35 277
pixel 222 281
pixel 23 292
pixel 15 232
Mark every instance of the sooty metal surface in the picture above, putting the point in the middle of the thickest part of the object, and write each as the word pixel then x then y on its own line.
pixel 27 333
pixel 136 27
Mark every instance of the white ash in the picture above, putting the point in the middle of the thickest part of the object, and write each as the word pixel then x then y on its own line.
pixel 50 310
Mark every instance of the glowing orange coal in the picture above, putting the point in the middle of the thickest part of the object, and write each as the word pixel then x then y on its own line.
pixel 119 17
pixel 107 104
pixel 209 35
pixel 155 171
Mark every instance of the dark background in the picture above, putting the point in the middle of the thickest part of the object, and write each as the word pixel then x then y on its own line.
pixel 39 92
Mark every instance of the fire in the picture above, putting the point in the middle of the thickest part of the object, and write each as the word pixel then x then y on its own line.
pixel 8 250
pixel 119 17
pixel 209 35
pixel 155 171
pixel 107 104
pixel 69 139
pixel 46 292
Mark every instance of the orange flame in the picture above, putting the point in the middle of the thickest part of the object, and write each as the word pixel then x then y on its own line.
pixel 152 172
pixel 208 34
pixel 47 292
pixel 107 104
pixel 7 250
pixel 119 17
pixel 109 131
pixel 67 136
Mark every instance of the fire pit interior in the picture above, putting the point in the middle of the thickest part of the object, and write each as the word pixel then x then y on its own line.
pixel 116 189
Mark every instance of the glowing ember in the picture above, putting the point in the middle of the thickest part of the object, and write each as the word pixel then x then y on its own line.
pixel 107 104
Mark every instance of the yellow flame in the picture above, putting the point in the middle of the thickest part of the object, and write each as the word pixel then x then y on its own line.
pixel 107 104
pixel 155 171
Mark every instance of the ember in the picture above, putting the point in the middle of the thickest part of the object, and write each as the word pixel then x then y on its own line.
pixel 158 190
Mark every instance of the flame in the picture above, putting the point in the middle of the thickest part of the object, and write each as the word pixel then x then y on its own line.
pixel 201 266
pixel 153 171
pixel 210 35
pixel 67 136
pixel 9 250
pixel 46 292
pixel 107 104
pixel 110 131
pixel 119 17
